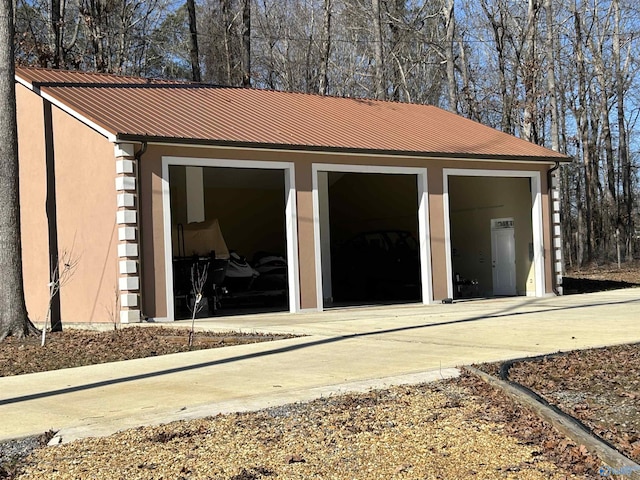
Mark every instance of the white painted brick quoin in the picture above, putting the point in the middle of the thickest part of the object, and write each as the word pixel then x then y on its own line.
pixel 128 267
pixel 126 233
pixel 128 250
pixel 129 300
pixel 129 316
pixel 125 184
pixel 126 217
pixel 123 150
pixel 126 199
pixel 124 166
pixel 128 284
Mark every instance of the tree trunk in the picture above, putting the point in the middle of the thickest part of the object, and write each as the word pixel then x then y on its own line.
pixel 325 49
pixel 56 34
pixel 396 11
pixel 377 51
pixel 246 43
pixel 608 214
pixel 551 77
pixel 13 312
pixel 468 93
pixel 450 23
pixel 500 29
pixel 623 147
pixel 584 138
pixel 194 53
pixel 530 74
pixel 228 24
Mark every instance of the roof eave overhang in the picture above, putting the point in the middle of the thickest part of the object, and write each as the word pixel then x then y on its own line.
pixel 195 142
pixel 35 87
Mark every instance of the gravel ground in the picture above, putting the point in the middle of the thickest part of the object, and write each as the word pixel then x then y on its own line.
pixel 454 429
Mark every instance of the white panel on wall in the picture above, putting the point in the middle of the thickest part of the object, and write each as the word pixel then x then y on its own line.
pixel 195 194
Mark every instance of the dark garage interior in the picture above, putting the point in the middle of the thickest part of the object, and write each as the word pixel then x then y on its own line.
pixel 373 222
pixel 239 239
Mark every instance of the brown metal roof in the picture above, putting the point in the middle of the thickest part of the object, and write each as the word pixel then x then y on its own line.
pixel 132 108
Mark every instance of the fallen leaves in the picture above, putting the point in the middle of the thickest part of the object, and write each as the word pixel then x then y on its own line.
pixel 74 348
pixel 598 386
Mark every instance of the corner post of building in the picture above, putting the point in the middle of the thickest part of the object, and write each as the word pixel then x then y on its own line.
pixel 128 237
pixel 558 262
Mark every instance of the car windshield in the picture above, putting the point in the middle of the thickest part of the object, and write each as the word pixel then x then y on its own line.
pixel 402 240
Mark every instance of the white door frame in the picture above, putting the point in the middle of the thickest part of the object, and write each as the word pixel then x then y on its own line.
pixel 536 219
pixel 291 224
pixel 423 220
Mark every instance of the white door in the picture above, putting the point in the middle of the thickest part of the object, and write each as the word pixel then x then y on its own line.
pixel 503 256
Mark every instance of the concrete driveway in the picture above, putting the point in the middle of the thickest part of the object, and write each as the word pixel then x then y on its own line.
pixel 344 350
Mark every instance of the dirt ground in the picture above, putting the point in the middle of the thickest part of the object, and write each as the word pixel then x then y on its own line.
pixel 596 278
pixel 75 348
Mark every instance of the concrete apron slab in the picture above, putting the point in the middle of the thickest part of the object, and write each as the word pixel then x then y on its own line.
pixel 346 350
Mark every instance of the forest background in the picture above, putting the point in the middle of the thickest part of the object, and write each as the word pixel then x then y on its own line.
pixel 559 74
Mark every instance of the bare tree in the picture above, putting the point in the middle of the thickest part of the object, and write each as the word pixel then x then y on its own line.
pixel 325 49
pixel 550 52
pixel 196 75
pixel 450 26
pixel 530 74
pixel 13 312
pixel 379 81
pixel 246 43
pixel 623 147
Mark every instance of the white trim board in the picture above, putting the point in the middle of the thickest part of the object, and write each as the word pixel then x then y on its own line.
pixel 536 219
pixel 65 108
pixel 291 224
pixel 423 220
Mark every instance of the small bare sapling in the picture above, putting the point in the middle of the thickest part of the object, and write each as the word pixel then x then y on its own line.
pixel 199 272
pixel 60 276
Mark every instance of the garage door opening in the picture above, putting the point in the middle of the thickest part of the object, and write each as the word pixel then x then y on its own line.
pixel 229 223
pixel 492 238
pixel 369 229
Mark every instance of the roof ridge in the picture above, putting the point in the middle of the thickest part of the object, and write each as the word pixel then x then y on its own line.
pixel 187 83
pixel 74 72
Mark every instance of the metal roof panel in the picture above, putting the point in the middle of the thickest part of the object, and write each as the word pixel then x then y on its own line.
pixel 135 107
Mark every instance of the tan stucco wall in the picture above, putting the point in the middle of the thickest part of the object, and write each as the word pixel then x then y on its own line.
pixel 86 202
pixel 152 211
pixel 33 194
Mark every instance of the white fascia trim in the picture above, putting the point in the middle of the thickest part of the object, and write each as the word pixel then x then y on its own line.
pixel 423 220
pixel 536 219
pixel 65 108
pixel 291 221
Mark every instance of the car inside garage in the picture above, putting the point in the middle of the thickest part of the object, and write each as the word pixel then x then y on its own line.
pixel 370 227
